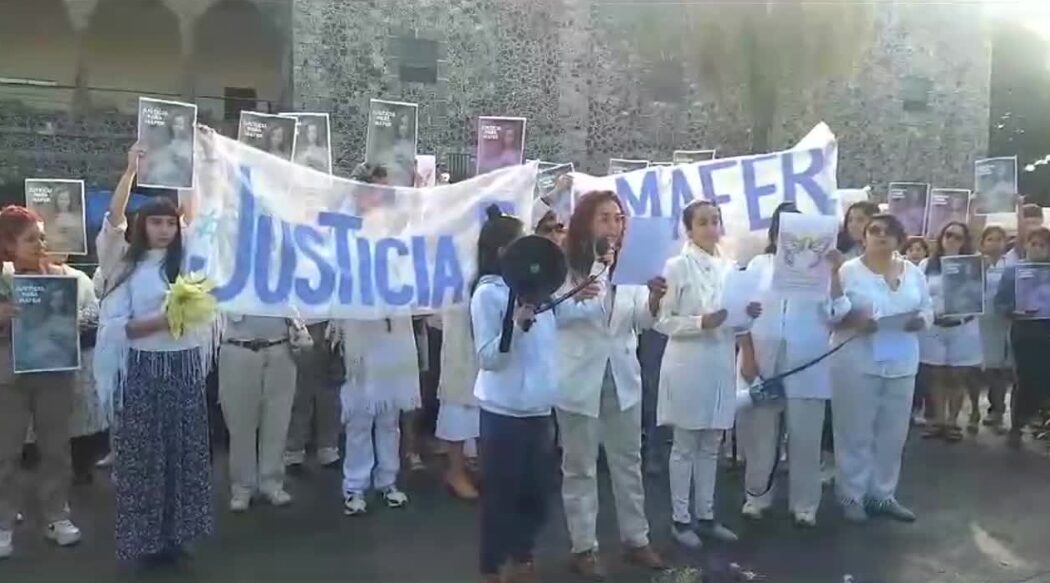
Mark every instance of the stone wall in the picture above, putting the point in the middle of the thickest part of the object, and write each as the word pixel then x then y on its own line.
pixel 600 80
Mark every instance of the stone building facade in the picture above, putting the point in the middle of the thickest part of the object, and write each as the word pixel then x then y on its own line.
pixel 586 74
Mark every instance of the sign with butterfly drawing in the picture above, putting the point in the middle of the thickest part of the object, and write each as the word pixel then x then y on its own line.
pixel 800 265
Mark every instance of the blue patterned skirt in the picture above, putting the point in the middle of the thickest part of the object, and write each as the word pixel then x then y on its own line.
pixel 162 474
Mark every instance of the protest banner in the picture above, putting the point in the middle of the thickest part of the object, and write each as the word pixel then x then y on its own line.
pixel 962 278
pixel 995 185
pixel 947 205
pixel 366 251
pixel 166 130
pixel 501 142
pixel 273 134
pixel 691 156
pixel 45 337
pixel 907 202
pixel 392 138
pixel 313 141
pixel 60 204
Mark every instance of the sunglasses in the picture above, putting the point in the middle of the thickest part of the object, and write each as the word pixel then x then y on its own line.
pixel 549 228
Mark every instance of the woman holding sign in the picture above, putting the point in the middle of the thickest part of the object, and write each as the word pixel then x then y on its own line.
pixel 44 399
pixel 788 334
pixel 874 376
pixel 600 386
pixel 950 350
pixel 698 373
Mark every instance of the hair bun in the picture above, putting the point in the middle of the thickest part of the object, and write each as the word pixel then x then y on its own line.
pixel 493 211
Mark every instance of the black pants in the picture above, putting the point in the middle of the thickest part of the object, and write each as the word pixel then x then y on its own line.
pixel 85 451
pixel 516 464
pixel 1030 340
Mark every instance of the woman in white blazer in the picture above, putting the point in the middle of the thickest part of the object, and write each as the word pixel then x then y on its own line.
pixel 874 376
pixel 698 375
pixel 600 387
pixel 788 334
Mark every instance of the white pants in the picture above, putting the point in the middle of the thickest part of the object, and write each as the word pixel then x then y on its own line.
pixel 621 433
pixel 365 453
pixel 871 416
pixel 757 430
pixel 693 469
pixel 256 391
pixel 457 423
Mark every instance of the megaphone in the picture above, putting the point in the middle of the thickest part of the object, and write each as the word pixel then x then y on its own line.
pixel 534 268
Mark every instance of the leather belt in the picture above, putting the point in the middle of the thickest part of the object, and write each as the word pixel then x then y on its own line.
pixel 953 323
pixel 257 344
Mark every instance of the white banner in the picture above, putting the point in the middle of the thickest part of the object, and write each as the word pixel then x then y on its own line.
pixel 747 189
pixel 279 239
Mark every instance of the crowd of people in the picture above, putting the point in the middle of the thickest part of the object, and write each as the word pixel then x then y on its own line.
pixel 571 383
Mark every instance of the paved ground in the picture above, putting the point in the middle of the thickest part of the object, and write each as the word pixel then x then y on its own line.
pixel 984 517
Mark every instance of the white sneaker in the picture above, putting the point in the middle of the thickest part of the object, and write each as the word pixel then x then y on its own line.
pixel 294 458
pixel 753 510
pixel 715 530
pixel 6 543
pixel 394 498
pixel 106 461
pixel 806 519
pixel 240 502
pixel 64 533
pixel 19 518
pixel 685 535
pixel 327 456
pixel 355 504
pixel 278 497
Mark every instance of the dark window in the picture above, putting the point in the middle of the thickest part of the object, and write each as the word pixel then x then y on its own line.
pixel 238 99
pixel 915 92
pixel 418 59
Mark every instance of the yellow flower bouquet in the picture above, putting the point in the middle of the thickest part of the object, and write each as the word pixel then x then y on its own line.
pixel 189 303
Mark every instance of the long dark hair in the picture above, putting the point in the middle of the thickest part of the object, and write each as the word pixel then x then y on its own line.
pixel 498 231
pixel 845 242
pixel 139 242
pixel 579 240
pixel 774 224
pixel 933 264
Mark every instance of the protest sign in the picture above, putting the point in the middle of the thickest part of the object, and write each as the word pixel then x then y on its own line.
pixel 313 141
pixel 426 170
pixel 747 189
pixel 166 131
pixel 962 278
pixel 60 204
pixel 621 165
pixel 45 336
pixel 392 138
pixel 691 156
pixel 636 263
pixel 947 205
pixel 995 185
pixel 800 265
pixel 273 134
pixel 548 177
pixel 1032 290
pixel 501 142
pixel 907 202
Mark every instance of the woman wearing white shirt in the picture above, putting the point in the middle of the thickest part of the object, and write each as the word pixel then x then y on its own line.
pixel 698 372
pixel 874 376
pixel 600 388
pixel 995 329
pixel 789 333
pixel 951 348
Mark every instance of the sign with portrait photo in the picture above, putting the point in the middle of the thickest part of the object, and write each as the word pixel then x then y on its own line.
pixel 962 277
pixel 45 337
pixel 947 205
pixel 501 142
pixel 1032 290
pixel 995 185
pixel 426 170
pixel 691 156
pixel 60 204
pixel 273 134
pixel 313 141
pixel 622 165
pixel 166 131
pixel 392 139
pixel 907 202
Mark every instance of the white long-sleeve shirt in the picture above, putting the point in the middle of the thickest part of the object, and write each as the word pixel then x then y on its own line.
pixel 868 292
pixel 523 381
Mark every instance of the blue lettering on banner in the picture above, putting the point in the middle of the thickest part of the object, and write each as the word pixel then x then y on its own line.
pixel 308 240
pixel 707 183
pixel 806 179
pixel 285 265
pixel 646 204
pixel 245 235
pixel 448 273
pixel 342 224
pixel 384 247
pixel 681 196
pixel 364 272
pixel 419 264
pixel 754 191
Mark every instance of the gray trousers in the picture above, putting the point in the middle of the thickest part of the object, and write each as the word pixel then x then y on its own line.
pixel 46 400
pixel 315 412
